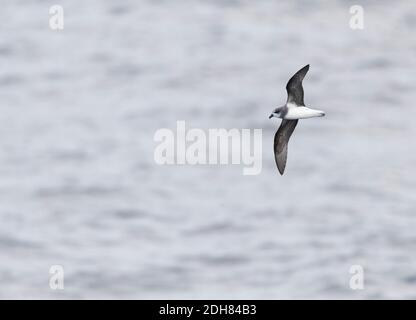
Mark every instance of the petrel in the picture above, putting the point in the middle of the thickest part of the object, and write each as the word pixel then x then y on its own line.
pixel 293 110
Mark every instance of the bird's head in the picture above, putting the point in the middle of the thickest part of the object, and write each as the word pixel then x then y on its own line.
pixel 277 113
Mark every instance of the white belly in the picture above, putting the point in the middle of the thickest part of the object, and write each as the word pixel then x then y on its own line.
pixel 302 113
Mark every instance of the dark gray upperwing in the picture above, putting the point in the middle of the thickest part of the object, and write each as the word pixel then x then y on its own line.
pixel 281 139
pixel 294 87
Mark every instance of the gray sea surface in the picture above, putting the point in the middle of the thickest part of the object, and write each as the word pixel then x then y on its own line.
pixel 79 186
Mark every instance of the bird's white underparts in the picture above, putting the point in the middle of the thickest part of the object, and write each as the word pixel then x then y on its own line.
pixel 291 111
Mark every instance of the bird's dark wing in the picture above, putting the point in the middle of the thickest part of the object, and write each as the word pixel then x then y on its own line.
pixel 281 140
pixel 294 87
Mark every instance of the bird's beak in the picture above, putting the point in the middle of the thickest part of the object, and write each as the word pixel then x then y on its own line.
pixel 271 116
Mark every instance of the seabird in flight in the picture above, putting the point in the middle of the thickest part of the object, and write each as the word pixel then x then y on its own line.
pixel 293 110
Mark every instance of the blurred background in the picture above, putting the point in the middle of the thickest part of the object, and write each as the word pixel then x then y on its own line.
pixel 79 186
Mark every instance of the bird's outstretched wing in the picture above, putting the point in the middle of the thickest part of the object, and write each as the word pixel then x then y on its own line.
pixel 281 140
pixel 294 87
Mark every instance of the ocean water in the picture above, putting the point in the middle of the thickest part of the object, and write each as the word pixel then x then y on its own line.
pixel 79 186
